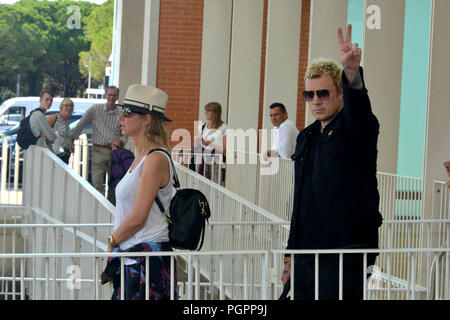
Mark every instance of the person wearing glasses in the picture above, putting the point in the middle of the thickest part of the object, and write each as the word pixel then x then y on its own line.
pixel 61 126
pixel 105 134
pixel 139 225
pixel 284 132
pixel 335 190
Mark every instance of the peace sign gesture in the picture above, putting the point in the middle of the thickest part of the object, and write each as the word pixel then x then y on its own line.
pixel 350 53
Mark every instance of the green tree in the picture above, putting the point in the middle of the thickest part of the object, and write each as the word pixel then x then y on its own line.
pixel 38 43
pixel 98 31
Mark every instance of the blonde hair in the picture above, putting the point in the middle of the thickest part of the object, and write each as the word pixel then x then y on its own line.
pixel 157 132
pixel 66 100
pixel 324 67
pixel 216 109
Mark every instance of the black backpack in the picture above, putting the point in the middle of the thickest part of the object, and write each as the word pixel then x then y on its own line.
pixel 25 136
pixel 189 209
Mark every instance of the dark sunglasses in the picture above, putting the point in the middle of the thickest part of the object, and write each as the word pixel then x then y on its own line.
pixel 323 94
pixel 126 112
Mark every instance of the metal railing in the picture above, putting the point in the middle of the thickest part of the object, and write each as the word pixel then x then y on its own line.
pixel 400 197
pixel 383 285
pixel 398 266
pixel 62 261
pixel 59 192
pixel 243 224
pixel 79 238
pixel 250 178
pixel 75 275
pixel 11 169
pixel 10 172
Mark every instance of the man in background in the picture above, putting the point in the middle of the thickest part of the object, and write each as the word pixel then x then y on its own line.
pixel 106 133
pixel 38 122
pixel 284 132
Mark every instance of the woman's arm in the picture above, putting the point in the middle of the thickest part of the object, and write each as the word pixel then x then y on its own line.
pixel 218 140
pixel 221 147
pixel 155 174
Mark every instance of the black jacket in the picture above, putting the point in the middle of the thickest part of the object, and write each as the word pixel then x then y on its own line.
pixel 344 174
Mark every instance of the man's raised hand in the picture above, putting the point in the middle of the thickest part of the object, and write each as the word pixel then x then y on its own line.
pixel 350 53
pixel 350 57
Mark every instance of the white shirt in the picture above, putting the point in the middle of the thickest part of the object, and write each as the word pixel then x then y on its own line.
pixel 156 227
pixel 284 138
pixel 213 135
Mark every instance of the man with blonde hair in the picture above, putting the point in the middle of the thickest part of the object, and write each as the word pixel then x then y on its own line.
pixel 335 195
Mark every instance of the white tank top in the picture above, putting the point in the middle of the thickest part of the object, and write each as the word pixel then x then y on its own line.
pixel 156 228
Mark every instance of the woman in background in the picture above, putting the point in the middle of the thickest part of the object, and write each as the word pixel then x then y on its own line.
pixel 212 144
pixel 60 124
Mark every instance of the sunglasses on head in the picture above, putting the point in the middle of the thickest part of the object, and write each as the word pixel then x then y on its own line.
pixel 323 94
pixel 126 112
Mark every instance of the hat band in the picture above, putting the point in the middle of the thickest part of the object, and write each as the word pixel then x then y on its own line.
pixel 134 103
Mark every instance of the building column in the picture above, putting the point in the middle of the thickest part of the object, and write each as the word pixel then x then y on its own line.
pixel 216 41
pixel 245 64
pixel 244 89
pixel 326 17
pixel 382 61
pixel 150 42
pixel 282 58
pixel 280 84
pixel 437 143
pixel 129 44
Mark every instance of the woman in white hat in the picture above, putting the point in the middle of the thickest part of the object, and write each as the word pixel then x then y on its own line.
pixel 139 225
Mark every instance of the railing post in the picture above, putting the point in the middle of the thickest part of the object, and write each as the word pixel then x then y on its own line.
pixel 4 163
pixel 264 277
pixel 85 154
pixel 22 281
pixel 16 168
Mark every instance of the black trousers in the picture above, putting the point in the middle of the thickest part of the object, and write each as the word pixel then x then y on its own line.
pixel 353 273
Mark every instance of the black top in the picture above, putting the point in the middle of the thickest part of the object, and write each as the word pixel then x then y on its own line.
pixel 310 223
pixel 337 179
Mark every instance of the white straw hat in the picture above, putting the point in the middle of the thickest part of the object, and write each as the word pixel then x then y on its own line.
pixel 146 99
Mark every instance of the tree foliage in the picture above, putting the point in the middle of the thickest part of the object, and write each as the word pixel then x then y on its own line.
pixel 39 43
pixel 99 32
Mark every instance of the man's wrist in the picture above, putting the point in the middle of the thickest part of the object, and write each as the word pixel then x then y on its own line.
pixel 354 78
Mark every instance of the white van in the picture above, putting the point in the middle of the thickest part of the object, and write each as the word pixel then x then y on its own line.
pixel 15 109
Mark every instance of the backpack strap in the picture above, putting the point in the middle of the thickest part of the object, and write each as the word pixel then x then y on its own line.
pixel 37 109
pixel 176 182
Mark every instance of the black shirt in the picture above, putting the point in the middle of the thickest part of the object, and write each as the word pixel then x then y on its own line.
pixel 310 227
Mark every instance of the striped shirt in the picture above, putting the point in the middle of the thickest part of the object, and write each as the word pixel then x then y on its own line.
pixel 105 124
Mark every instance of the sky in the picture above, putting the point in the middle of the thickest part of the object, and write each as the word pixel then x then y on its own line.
pixel 12 1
